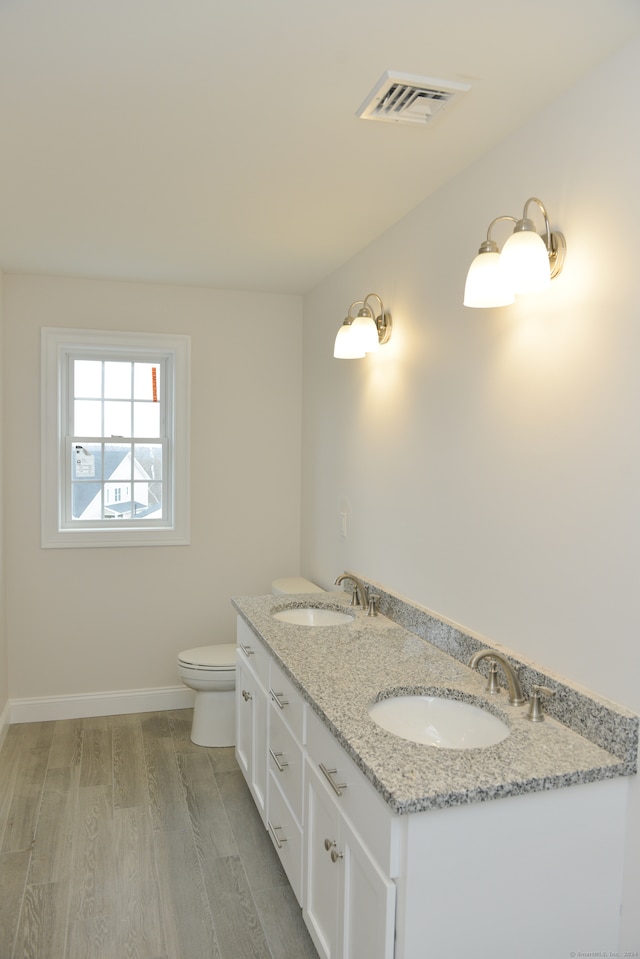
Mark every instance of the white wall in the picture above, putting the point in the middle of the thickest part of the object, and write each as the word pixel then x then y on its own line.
pixel 489 461
pixel 82 621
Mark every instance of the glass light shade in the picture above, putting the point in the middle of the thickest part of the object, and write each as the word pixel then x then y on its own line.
pixel 365 333
pixel 346 346
pixel 486 284
pixel 525 262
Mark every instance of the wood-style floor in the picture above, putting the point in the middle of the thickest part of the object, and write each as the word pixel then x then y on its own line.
pixel 120 839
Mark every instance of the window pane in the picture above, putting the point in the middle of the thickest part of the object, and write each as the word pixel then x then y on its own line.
pixel 87 378
pixel 117 381
pixel 117 418
pixel 146 383
pixel 148 495
pixel 148 500
pixel 112 493
pixel 148 461
pixel 146 419
pixel 117 465
pixel 86 500
pixel 117 500
pixel 87 418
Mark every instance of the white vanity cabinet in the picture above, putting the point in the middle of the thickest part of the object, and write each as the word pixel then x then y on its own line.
pixel 537 874
pixel 252 679
pixel 349 905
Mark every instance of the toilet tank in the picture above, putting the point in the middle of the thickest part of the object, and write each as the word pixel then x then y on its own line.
pixel 294 584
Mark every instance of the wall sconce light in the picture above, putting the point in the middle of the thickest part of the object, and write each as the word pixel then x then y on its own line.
pixel 527 264
pixel 363 333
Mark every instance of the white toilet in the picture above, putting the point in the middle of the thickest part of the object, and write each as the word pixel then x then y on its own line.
pixel 294 584
pixel 211 672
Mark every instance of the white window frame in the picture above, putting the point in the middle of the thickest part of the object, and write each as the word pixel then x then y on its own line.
pixel 58 346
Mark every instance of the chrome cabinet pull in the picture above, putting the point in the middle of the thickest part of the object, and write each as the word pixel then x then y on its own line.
pixel 246 695
pixel 276 759
pixel 330 846
pixel 247 650
pixel 329 774
pixel 272 829
pixel 277 698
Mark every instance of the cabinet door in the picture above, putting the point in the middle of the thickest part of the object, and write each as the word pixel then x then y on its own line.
pixel 251 732
pixel 368 902
pixel 321 901
pixel 349 903
pixel 245 698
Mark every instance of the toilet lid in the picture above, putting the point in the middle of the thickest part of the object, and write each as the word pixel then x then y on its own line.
pixel 211 657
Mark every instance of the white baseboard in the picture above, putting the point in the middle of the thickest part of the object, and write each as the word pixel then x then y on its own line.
pixel 98 704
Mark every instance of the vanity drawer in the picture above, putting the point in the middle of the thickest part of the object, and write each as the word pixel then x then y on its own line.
pixel 357 799
pixel 254 651
pixel 286 761
pixel 286 836
pixel 287 700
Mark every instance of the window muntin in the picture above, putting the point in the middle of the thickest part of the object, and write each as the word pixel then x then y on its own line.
pixel 127 473
pixel 117 399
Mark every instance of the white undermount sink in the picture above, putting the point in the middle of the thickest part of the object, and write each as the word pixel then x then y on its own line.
pixel 312 616
pixel 437 721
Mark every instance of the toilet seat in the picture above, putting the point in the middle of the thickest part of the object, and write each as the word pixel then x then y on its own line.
pixel 221 658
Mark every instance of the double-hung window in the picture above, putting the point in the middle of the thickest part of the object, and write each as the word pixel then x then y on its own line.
pixel 115 438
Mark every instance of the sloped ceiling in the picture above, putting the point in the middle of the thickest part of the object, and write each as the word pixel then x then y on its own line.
pixel 201 142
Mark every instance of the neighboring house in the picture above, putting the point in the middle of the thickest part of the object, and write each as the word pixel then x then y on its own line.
pixel 127 491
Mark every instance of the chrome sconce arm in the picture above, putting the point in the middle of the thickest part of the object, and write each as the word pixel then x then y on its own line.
pixel 365 332
pixel 489 245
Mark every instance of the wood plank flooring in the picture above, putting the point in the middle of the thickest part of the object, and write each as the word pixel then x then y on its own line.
pixel 121 839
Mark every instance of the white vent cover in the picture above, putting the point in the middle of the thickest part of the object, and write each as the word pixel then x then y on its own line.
pixel 404 98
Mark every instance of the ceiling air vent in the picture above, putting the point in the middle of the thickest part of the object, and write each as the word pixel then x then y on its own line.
pixel 404 98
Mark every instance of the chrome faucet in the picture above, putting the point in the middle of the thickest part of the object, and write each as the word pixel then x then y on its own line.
pixel 516 696
pixel 359 597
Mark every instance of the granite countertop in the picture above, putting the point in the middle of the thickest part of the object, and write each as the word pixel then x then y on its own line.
pixel 341 670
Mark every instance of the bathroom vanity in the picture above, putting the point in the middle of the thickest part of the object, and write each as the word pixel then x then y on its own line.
pixel 397 850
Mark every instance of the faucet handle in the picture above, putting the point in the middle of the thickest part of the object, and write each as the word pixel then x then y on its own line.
pixel 492 681
pixel 355 600
pixel 535 713
pixel 373 601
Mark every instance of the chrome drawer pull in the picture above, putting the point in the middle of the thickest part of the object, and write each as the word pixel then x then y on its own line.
pixel 247 650
pixel 246 695
pixel 335 856
pixel 272 829
pixel 329 774
pixel 277 698
pixel 276 759
pixel 329 844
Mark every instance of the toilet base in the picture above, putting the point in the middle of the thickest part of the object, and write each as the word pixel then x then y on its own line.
pixel 214 722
